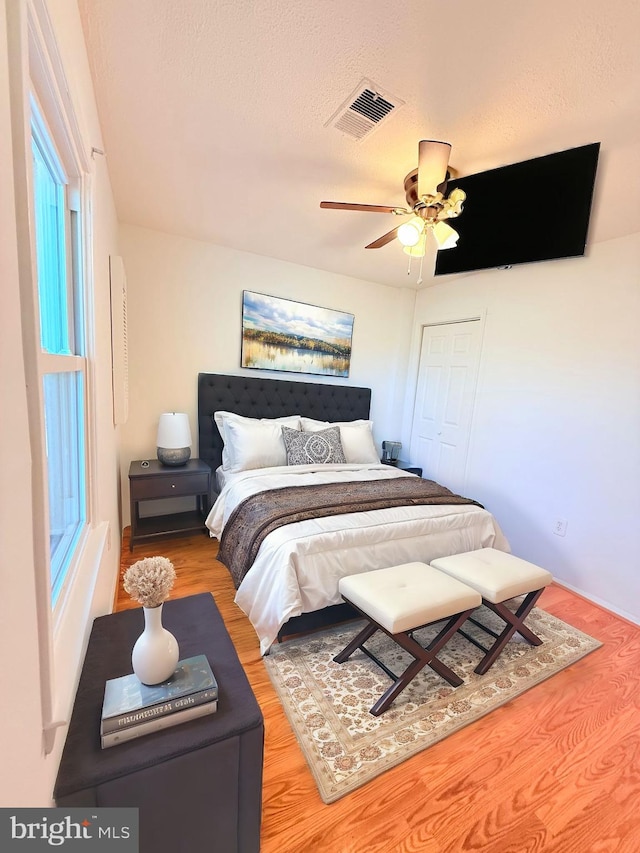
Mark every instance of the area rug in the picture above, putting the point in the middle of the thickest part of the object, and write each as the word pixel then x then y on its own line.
pixel 328 704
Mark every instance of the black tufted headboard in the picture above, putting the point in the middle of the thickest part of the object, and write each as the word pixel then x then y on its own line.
pixel 254 397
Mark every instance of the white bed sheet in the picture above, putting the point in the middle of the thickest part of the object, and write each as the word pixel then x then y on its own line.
pixel 298 566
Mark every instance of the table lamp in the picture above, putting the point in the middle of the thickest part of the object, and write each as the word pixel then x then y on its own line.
pixel 174 438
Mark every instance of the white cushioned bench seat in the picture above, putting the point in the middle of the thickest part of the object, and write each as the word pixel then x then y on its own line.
pixel 398 600
pixel 408 596
pixel 498 577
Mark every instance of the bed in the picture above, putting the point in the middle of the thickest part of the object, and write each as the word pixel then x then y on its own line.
pixel 286 572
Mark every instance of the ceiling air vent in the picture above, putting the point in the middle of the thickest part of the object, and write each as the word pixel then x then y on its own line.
pixel 364 110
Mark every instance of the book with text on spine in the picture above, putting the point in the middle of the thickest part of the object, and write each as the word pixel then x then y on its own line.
pixel 126 695
pixel 156 724
pixel 161 709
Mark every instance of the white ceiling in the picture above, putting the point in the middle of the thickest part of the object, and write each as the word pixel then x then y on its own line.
pixel 213 112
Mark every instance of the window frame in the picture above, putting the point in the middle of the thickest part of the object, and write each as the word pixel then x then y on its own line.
pixel 71 360
pixel 70 177
pixel 37 76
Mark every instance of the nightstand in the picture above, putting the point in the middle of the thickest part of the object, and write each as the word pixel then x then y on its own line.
pixel 157 481
pixel 404 466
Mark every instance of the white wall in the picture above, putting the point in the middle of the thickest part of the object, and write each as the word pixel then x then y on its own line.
pixel 185 317
pixel 28 775
pixel 556 430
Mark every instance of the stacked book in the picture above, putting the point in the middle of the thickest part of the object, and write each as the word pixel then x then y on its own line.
pixel 132 709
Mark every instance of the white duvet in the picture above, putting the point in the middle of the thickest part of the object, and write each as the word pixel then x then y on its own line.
pixel 298 566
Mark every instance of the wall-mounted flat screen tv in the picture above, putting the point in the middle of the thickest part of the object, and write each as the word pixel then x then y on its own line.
pixel 537 210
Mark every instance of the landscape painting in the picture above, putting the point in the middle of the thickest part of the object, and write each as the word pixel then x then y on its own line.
pixel 280 334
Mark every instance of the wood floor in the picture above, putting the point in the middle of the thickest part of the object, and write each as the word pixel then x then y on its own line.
pixel 557 769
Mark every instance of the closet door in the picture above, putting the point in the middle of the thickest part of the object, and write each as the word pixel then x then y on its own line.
pixel 442 416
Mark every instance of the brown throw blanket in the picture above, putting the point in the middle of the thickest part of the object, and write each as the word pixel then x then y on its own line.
pixel 255 517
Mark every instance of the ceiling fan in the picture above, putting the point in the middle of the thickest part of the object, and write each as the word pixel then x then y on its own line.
pixel 425 190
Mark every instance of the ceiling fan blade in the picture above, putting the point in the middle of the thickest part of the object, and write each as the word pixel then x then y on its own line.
pixel 433 158
pixel 386 238
pixel 372 208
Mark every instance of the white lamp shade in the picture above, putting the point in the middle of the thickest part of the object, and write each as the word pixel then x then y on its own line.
pixel 409 234
pixel 456 197
pixel 445 235
pixel 420 248
pixel 174 430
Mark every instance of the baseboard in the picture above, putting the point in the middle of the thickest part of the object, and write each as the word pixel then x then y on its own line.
pixel 603 605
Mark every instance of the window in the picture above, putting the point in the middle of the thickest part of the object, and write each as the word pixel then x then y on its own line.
pixel 61 358
pixel 53 190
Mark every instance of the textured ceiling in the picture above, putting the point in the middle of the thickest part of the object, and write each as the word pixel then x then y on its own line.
pixel 213 112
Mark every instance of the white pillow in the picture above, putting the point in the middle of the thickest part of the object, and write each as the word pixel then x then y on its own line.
pixel 254 445
pixel 224 418
pixel 356 437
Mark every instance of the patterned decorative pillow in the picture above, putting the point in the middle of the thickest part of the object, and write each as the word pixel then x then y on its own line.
pixel 305 448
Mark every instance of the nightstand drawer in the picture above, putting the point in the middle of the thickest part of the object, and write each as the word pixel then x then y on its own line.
pixel 147 488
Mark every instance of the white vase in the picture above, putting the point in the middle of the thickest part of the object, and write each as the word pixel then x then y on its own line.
pixel 155 654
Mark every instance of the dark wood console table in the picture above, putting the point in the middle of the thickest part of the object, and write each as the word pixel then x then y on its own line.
pixel 197 785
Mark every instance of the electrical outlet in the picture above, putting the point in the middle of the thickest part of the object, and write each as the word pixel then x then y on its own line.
pixel 560 526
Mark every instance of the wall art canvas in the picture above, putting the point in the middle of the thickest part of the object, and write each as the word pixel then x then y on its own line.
pixel 281 334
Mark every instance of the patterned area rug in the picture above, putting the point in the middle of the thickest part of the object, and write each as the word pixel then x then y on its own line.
pixel 328 704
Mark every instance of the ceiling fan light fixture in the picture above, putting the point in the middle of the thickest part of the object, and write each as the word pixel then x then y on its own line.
pixel 453 204
pixel 446 236
pixel 420 248
pixel 410 232
pixel 457 196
